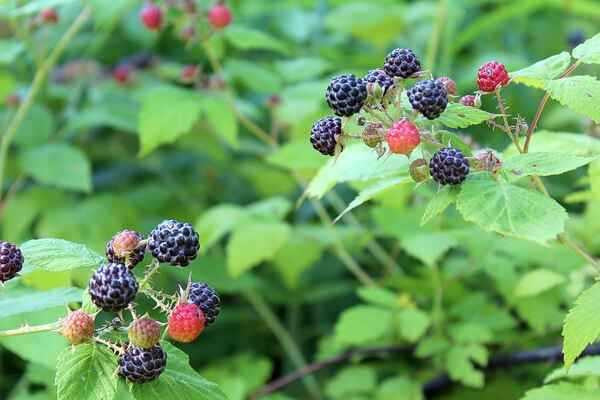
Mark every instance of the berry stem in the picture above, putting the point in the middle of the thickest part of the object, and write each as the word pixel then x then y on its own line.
pixel 542 105
pixel 28 329
pixel 507 128
pixel 153 269
pixel 36 86
pixel 117 349
pixel 285 338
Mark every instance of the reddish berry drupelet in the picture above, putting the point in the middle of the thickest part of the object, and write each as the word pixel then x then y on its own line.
pixel 219 16
pixel 49 16
pixel 449 84
pixel 470 101
pixel 403 137
pixel 78 327
pixel 189 73
pixel 186 323
pixel 144 332
pixel 122 74
pixel 492 75
pixel 151 16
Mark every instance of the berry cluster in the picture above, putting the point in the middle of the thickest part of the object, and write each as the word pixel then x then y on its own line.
pixel 393 113
pixel 11 261
pixel 113 287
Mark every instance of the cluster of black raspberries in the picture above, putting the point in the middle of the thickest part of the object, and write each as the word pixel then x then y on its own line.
pixel 372 96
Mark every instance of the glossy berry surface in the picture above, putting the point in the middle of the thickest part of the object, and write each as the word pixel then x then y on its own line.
pixel 325 133
pixel 113 287
pixel 11 261
pixel 174 242
pixel 219 16
pixel 186 323
pixel 379 77
pixel 125 248
pixel 403 137
pixel 151 16
pixel 401 63
pixel 139 365
pixel 346 95
pixel 428 97
pixel 492 75
pixel 207 300
pixel 448 166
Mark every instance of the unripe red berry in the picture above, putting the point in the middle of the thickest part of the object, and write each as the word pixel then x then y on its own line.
pixel 449 84
pixel 219 16
pixel 189 73
pixel 122 74
pixel 470 101
pixel 144 332
pixel 492 75
pixel 403 137
pixel 151 15
pixel 186 322
pixel 78 327
pixel 49 16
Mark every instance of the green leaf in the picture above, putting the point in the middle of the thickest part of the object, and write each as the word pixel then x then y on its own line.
pixel 438 203
pixel 373 190
pixel 586 366
pixel 378 296
pixel 59 165
pixel 561 391
pixel 36 128
pixel 24 301
pixel 302 69
pixel 399 388
pixel 460 368
pixel 412 323
pixel 589 51
pixel 544 164
pixel 510 210
pixel 216 223
pixel 10 50
pixel 356 163
pixel 221 117
pixel 296 156
pixel 57 255
pixel 362 324
pixel 457 115
pixel 244 251
pixel 428 247
pixel 298 254
pixel 166 114
pixel 351 381
pixel 561 142
pixel 250 39
pixel 537 281
pixel 537 74
pixel 470 333
pixel 179 381
pixel 86 372
pixel 580 93
pixel 582 324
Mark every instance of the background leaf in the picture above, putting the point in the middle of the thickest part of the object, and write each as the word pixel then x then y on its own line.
pixel 582 324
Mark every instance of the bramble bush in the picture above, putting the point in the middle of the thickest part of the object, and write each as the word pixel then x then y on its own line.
pixel 415 241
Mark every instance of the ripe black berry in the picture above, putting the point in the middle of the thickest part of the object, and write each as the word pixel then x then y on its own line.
pixel 429 98
pixel 124 248
pixel 380 77
pixel 174 242
pixel 346 95
pixel 448 166
pixel 325 133
pixel 139 365
pixel 11 261
pixel 401 62
pixel 113 287
pixel 206 299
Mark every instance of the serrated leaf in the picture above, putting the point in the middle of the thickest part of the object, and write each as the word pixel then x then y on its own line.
pixel 438 203
pixel 371 191
pixel 510 210
pixel 561 391
pixel 412 323
pixel 582 324
pixel 217 222
pixel 86 372
pixel 356 163
pixel 460 368
pixel 470 333
pixel 589 51
pixel 544 164
pixel 222 118
pixel 25 301
pixel 428 247
pixel 59 165
pixel 250 39
pixel 244 251
pixel 537 74
pixel 457 115
pixel 351 381
pixel 580 93
pixel 160 122
pixel 57 255
pixel 537 281
pixel 585 367
pixel 179 381
pixel 362 324
pixel 452 139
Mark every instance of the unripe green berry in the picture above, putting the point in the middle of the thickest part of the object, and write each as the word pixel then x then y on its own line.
pixel 144 332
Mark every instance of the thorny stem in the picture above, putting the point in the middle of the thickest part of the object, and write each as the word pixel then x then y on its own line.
pixel 28 329
pixel 542 105
pixel 507 128
pixel 160 299
pixel 152 270
pixel 36 86
pixel 285 339
pixel 116 348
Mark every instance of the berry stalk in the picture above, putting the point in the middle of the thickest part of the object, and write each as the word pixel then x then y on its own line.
pixel 28 329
